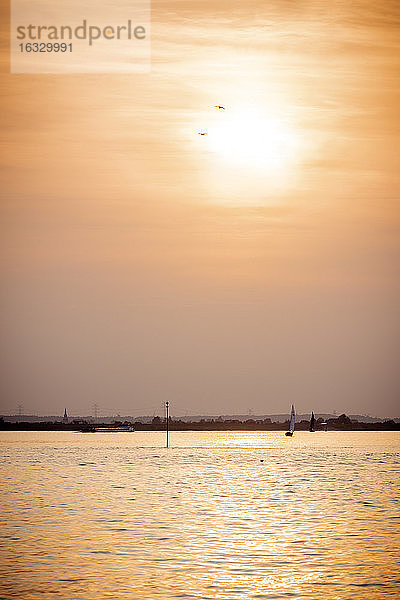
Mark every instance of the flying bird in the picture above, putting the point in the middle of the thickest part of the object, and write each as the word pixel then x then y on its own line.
pixel 219 107
pixel 202 133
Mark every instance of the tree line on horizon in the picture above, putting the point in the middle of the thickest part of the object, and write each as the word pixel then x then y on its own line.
pixel 342 422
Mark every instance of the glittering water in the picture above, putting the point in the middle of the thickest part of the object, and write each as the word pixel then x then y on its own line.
pixel 220 515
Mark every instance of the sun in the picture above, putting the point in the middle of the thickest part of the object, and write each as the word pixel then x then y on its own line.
pixel 250 154
pixel 250 138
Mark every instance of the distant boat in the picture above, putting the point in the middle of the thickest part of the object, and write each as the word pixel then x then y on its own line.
pixel 87 428
pixel 120 429
pixel 292 422
pixel 312 423
pixel 325 425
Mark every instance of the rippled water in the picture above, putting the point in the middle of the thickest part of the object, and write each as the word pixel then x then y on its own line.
pixel 220 515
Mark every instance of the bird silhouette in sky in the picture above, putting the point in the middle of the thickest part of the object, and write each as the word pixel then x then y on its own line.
pixel 202 132
pixel 219 107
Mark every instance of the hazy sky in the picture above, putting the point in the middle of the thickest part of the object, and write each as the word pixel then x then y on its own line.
pixel 251 268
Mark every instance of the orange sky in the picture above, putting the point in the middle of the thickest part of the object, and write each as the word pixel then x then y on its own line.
pixel 143 262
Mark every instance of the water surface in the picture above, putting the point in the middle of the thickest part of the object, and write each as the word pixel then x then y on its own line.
pixel 220 515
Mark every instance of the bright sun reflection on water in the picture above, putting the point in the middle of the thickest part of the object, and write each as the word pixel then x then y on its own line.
pixel 218 516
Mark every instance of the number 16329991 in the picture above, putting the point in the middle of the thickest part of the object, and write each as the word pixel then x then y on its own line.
pixel 45 47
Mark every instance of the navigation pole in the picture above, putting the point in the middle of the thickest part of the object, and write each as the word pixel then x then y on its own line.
pixel 167 423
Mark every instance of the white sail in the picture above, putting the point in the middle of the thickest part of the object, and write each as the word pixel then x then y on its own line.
pixel 292 419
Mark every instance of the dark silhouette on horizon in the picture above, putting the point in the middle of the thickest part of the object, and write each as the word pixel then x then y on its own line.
pixel 341 423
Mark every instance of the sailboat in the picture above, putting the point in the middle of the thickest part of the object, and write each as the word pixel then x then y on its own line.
pixel 312 423
pixel 292 421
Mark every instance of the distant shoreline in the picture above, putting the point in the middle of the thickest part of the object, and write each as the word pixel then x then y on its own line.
pixel 341 423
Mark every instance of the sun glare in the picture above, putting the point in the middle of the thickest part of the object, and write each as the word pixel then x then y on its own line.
pixel 250 155
pixel 250 139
